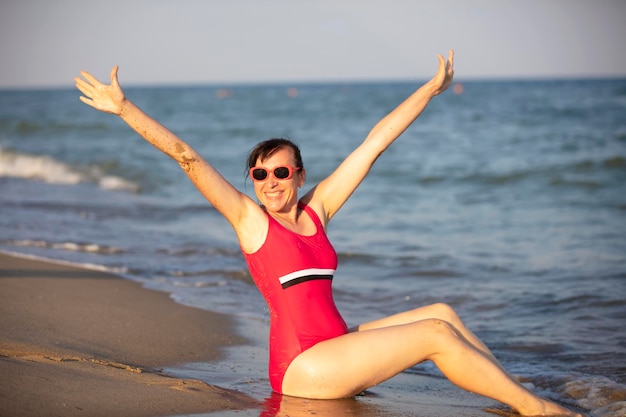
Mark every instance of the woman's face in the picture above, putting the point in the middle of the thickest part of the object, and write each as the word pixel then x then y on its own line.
pixel 279 195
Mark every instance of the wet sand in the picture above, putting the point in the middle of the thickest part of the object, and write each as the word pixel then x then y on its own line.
pixel 77 342
pixel 81 342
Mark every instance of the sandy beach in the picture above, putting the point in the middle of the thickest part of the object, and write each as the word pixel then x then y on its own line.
pixel 79 342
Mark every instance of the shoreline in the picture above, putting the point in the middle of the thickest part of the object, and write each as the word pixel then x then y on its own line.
pixel 83 342
pixel 75 341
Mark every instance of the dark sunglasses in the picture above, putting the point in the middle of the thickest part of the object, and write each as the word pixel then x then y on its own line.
pixel 280 173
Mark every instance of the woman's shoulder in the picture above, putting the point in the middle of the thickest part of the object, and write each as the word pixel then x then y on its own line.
pixel 251 233
pixel 314 209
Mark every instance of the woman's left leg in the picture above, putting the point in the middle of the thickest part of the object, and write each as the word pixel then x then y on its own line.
pixel 440 311
pixel 346 365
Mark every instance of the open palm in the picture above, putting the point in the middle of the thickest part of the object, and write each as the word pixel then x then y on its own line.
pixel 107 98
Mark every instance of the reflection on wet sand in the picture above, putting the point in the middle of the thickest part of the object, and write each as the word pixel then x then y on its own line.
pixel 278 405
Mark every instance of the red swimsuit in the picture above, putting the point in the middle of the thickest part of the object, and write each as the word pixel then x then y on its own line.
pixel 294 273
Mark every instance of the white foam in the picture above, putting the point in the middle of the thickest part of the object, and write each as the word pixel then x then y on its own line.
pixel 50 170
pixel 68 246
pixel 93 267
pixel 116 183
pixel 42 168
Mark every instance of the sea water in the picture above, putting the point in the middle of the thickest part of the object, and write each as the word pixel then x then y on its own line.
pixel 506 200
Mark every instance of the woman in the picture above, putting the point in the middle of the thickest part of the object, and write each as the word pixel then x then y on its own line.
pixel 312 352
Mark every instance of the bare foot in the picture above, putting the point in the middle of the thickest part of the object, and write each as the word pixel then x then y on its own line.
pixel 551 409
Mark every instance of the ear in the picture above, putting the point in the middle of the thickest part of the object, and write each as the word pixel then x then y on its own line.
pixel 302 177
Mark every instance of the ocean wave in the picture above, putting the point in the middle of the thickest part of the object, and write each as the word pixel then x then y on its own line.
pixel 67 246
pixel 28 127
pixel 601 396
pixel 93 267
pixel 581 173
pixel 239 274
pixel 358 258
pixel 50 170
pixel 598 395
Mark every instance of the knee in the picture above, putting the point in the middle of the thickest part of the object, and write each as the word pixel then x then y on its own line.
pixel 444 312
pixel 443 331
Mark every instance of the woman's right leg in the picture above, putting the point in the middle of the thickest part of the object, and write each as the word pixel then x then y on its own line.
pixel 439 311
pixel 348 364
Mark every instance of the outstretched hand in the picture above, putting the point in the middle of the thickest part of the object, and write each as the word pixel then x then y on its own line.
pixel 107 98
pixel 442 80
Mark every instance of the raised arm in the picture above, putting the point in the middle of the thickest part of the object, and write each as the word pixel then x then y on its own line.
pixel 330 194
pixel 219 192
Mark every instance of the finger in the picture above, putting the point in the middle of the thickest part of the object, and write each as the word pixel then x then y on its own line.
pixel 84 87
pixel 93 80
pixel 114 80
pixel 86 101
pixel 114 74
pixel 79 81
pixel 442 65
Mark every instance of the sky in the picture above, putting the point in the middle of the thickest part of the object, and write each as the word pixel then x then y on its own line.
pixel 45 43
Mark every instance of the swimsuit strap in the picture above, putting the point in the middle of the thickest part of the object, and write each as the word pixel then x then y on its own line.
pixel 313 215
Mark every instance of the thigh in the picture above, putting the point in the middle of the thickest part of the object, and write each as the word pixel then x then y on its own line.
pixel 439 311
pixel 347 365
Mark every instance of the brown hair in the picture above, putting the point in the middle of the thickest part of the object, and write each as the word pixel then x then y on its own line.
pixel 267 148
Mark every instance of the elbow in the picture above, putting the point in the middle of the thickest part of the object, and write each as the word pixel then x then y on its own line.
pixel 185 161
pixel 184 155
pixel 185 166
pixel 180 149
